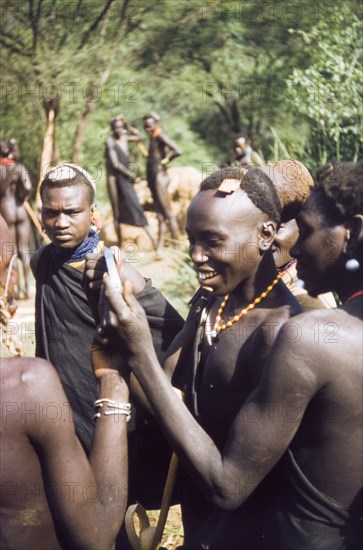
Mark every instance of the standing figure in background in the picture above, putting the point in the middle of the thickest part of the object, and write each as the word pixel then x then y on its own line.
pixel 161 151
pixel 120 179
pixel 15 186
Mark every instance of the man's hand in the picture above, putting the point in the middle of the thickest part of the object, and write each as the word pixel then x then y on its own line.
pixel 94 270
pixel 105 360
pixel 123 316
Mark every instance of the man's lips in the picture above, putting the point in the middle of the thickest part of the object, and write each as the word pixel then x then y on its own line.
pixel 206 275
pixel 63 236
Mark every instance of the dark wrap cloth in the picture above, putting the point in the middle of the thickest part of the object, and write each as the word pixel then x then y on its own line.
pixel 65 329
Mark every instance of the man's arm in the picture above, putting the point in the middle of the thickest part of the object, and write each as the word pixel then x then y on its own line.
pixel 261 431
pixel 87 498
pixel 116 164
pixel 173 149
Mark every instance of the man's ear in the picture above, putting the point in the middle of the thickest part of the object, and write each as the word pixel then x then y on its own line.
pixel 354 234
pixel 267 235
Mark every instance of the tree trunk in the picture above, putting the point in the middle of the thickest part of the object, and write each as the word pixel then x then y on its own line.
pixel 81 130
pixel 47 151
pixel 90 106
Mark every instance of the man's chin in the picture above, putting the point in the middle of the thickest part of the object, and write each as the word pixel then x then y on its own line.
pixel 65 245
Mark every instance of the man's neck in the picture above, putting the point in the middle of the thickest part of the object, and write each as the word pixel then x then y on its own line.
pixel 251 288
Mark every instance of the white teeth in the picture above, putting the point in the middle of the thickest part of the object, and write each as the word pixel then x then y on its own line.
pixel 209 275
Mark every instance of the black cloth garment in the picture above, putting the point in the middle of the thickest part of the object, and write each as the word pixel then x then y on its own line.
pixel 303 517
pixel 65 329
pixel 130 210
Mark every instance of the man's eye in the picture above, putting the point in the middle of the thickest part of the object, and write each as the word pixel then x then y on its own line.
pixel 211 243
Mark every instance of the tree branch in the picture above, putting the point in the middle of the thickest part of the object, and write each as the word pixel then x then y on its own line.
pixel 95 24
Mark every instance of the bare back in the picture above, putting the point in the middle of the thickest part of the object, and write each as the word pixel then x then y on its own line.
pixel 25 517
pixel 328 445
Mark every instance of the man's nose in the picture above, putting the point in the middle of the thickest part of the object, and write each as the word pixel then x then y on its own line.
pixel 198 254
pixel 62 220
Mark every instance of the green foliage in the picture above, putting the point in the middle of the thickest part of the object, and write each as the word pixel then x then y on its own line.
pixel 287 73
pixel 329 89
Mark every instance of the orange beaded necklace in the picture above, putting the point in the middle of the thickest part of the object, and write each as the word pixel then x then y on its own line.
pixel 219 327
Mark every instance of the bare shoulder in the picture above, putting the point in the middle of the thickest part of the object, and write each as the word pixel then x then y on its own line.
pixel 321 341
pixel 26 372
pixel 110 142
pixel 35 259
pixel 274 319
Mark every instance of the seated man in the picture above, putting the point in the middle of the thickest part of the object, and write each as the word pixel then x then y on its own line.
pixel 52 496
pixel 307 407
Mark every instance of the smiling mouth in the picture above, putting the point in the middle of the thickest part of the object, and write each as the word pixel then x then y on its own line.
pixel 204 276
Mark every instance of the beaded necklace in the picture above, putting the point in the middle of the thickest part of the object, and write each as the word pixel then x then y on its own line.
pixel 219 327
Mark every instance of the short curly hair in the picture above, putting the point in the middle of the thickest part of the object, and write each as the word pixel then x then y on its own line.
pixel 257 186
pixel 68 175
pixel 339 185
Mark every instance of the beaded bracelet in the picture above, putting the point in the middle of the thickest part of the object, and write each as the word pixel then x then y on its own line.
pixel 113 408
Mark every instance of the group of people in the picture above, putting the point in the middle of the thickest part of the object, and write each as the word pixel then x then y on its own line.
pixel 121 178
pixel 269 430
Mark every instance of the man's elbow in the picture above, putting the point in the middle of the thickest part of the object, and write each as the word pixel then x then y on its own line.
pixel 229 496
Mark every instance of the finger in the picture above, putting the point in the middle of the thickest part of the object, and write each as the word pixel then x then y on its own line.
pixel 130 299
pixel 95 285
pixel 92 259
pixel 93 273
pixel 101 337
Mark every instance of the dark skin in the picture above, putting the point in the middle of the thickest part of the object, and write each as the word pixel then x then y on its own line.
pixel 66 217
pixel 319 377
pixel 161 151
pixel 285 238
pixel 42 456
pixel 230 242
pixel 15 186
pixel 51 493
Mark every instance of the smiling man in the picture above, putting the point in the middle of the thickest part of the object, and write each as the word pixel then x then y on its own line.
pixel 303 421
pixel 218 357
